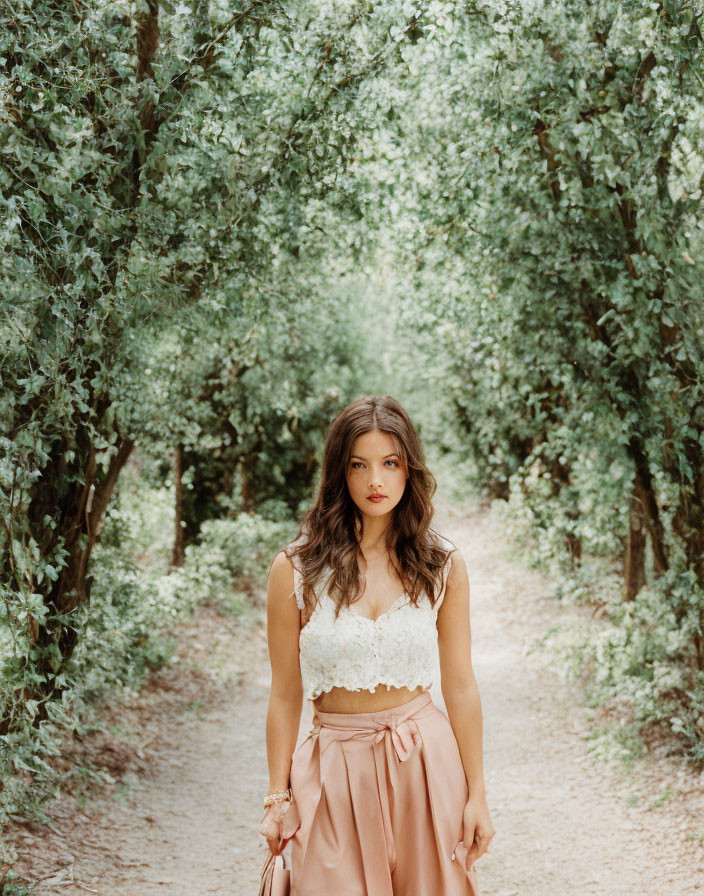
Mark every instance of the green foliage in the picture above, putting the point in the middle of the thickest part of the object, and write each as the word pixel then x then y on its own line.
pixel 230 551
pixel 157 163
pixel 547 208
pixel 642 659
pixel 250 416
pixel 200 205
pixel 126 629
pixel 167 175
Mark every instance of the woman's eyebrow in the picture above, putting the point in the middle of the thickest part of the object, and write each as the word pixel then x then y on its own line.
pixel 359 456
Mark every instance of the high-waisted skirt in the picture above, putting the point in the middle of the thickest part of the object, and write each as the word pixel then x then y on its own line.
pixel 378 800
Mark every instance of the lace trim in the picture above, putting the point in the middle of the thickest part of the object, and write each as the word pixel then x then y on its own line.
pixel 387 682
pixel 393 606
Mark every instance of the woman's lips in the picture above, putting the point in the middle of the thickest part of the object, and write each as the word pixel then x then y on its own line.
pixel 376 498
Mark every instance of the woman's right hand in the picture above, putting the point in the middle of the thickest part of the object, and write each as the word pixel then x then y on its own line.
pixel 270 826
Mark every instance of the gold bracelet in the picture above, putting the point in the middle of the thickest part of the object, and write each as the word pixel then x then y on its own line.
pixel 278 797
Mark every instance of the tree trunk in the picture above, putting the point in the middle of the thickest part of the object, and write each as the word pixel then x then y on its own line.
pixel 247 493
pixel 634 564
pixel 83 504
pixel 178 553
pixel 645 492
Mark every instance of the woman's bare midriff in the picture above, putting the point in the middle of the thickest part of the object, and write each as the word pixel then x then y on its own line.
pixel 343 700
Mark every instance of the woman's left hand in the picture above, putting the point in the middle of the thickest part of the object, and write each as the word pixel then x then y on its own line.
pixel 478 828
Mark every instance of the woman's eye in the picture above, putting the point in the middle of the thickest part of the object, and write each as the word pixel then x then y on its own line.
pixel 358 463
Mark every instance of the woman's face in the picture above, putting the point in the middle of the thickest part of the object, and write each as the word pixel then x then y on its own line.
pixel 375 468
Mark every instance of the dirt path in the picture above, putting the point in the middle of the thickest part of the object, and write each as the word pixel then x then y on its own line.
pixel 182 814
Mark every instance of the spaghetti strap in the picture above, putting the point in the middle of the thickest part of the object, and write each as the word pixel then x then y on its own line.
pixel 297 578
pixel 446 576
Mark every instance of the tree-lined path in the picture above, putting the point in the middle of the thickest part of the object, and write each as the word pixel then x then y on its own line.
pixel 566 823
pixel 222 221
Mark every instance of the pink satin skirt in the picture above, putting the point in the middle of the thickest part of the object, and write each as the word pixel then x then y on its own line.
pixel 377 807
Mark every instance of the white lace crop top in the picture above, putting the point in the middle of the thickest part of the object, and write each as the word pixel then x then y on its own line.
pixel 358 653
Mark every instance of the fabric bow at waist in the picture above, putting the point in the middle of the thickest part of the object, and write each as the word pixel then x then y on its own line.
pixel 396 730
pixel 402 735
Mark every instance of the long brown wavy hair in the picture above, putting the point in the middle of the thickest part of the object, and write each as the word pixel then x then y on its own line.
pixel 327 544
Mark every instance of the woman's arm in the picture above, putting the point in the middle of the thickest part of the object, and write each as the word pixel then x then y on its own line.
pixel 286 694
pixel 458 684
pixel 461 696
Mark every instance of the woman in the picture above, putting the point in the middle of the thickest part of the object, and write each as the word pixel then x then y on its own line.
pixel 385 797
